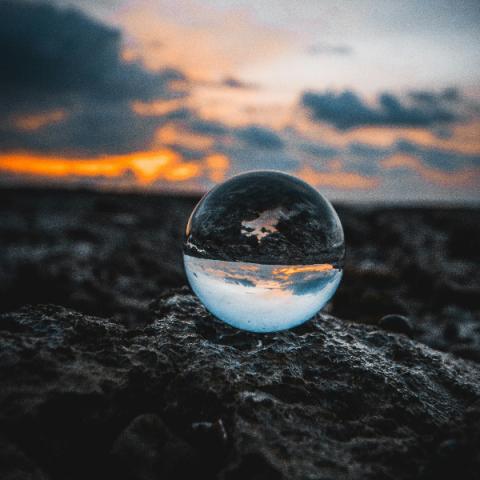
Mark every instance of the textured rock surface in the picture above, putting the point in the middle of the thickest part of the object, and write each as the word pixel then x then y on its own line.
pixel 187 397
pixel 110 255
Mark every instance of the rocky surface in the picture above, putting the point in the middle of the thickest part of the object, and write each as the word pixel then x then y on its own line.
pixel 110 255
pixel 185 396
pixel 107 255
pixel 133 380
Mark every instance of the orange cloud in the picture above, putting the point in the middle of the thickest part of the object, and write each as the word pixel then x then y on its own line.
pixel 218 166
pixel 199 39
pixel 239 107
pixel 171 134
pixel 459 178
pixel 337 179
pixel 208 45
pixel 160 107
pixel 464 138
pixel 284 273
pixel 146 167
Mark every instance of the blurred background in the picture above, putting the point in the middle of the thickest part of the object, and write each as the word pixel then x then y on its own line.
pixel 366 100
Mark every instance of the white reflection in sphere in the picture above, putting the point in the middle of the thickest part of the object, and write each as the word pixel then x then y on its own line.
pixel 264 251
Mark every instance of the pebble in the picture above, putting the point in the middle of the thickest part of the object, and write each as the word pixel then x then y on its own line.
pixel 396 323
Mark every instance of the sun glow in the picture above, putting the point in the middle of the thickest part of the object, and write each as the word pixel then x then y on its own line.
pixel 145 167
pixel 292 270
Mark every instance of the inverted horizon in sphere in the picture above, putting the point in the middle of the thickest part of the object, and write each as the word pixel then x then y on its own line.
pixel 264 251
pixel 258 297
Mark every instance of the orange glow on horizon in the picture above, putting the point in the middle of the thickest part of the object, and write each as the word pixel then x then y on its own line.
pixel 144 168
pixel 286 272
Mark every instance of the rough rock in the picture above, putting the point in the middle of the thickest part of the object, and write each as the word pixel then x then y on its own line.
pixel 110 254
pixel 185 396
pixel 396 323
pixel 107 255
pixel 148 449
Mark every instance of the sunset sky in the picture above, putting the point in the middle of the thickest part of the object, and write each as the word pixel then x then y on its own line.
pixel 365 100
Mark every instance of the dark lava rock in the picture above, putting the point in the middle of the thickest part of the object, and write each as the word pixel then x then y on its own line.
pixel 102 254
pixel 109 255
pixel 15 465
pixel 396 323
pixel 147 449
pixel 84 397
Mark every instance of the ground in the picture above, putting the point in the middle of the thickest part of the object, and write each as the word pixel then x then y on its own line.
pixel 129 377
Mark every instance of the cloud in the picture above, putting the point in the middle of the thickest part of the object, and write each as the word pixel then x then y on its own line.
pixel 73 107
pixel 60 60
pixel 232 82
pixel 431 98
pixel 318 150
pixel 426 170
pixel 429 162
pixel 260 137
pixel 321 48
pixel 89 129
pixel 460 177
pixel 446 160
pixel 207 127
pixel 346 110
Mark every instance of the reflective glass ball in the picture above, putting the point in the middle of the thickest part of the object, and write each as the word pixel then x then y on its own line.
pixel 264 251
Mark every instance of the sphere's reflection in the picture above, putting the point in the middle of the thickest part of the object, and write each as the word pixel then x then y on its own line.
pixel 264 251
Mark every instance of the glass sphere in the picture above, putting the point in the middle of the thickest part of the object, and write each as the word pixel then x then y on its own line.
pixel 264 251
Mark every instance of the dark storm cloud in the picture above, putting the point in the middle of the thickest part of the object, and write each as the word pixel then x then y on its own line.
pixel 52 51
pixel 346 110
pixel 56 58
pixel 260 137
pixel 432 98
pixel 89 130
